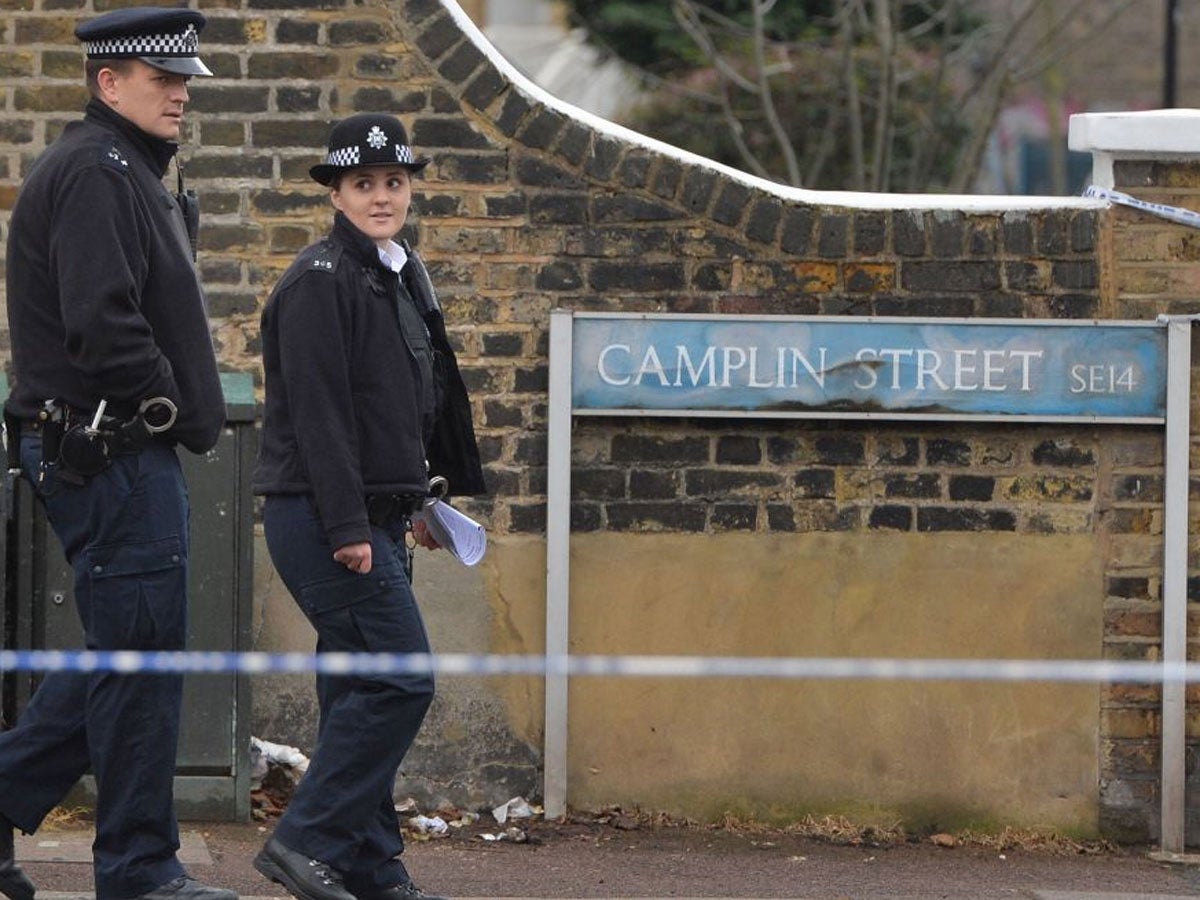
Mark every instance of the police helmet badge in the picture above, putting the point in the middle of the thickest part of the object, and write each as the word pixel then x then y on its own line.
pixel 367 139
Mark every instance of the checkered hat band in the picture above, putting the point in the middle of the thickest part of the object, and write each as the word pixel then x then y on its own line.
pixel 185 43
pixel 352 156
pixel 347 156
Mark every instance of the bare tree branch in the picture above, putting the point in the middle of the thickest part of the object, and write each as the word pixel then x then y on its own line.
pixel 1058 50
pixel 686 15
pixel 854 117
pixel 885 37
pixel 899 93
pixel 929 139
pixel 689 20
pixel 782 141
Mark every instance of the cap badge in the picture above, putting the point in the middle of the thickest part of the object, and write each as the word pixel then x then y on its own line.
pixel 376 138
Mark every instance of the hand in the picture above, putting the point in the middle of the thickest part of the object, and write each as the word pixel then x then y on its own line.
pixel 423 537
pixel 355 557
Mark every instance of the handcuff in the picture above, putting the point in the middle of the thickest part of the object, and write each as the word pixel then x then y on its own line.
pixel 87 449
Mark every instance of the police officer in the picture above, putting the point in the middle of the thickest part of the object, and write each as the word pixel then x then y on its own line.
pixel 361 390
pixel 114 367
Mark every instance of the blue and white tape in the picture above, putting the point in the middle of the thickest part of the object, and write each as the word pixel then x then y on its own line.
pixel 1175 213
pixel 793 668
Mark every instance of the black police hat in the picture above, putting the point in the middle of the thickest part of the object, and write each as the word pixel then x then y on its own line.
pixel 367 139
pixel 167 39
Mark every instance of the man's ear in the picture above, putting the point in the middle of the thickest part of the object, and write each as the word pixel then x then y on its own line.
pixel 106 81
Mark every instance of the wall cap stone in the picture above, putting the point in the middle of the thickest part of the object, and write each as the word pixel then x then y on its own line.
pixel 1148 132
pixel 1162 134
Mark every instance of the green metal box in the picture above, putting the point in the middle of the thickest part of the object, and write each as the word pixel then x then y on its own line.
pixel 212 780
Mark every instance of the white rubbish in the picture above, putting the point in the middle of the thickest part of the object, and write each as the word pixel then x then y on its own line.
pixel 264 753
pixel 434 825
pixel 512 833
pixel 516 808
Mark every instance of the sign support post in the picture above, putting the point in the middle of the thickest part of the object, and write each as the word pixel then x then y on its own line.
pixel 874 368
pixel 558 564
pixel 1174 583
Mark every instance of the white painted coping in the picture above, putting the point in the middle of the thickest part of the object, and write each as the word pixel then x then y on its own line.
pixel 1167 134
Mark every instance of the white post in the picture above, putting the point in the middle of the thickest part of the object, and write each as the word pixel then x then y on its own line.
pixel 558 564
pixel 1174 589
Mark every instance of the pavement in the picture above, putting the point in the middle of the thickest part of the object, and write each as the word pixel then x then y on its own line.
pixel 639 861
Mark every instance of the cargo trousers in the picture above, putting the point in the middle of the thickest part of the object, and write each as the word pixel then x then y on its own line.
pixel 124 532
pixel 343 811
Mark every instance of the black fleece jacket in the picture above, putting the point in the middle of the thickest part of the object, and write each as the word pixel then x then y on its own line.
pixel 351 396
pixel 103 297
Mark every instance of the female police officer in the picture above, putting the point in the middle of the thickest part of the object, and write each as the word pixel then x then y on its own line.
pixel 361 389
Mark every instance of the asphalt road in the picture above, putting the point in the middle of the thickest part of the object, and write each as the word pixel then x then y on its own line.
pixel 634 860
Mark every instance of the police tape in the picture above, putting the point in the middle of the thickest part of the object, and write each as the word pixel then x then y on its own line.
pixel 1174 213
pixel 637 666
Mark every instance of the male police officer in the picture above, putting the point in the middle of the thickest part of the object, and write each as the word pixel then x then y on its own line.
pixel 114 366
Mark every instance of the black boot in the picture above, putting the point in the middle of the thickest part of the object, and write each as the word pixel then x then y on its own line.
pixel 14 883
pixel 304 878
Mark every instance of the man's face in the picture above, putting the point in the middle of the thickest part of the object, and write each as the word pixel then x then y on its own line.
pixel 150 98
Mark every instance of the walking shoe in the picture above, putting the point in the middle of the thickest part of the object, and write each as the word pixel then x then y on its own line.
pixel 406 890
pixel 185 887
pixel 14 883
pixel 304 878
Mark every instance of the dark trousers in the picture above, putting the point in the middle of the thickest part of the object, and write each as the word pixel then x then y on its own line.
pixel 125 534
pixel 343 811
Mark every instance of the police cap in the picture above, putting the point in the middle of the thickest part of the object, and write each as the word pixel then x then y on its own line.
pixel 167 39
pixel 367 139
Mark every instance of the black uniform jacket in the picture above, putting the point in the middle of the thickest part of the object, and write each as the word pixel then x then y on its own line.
pixel 452 451
pixel 352 386
pixel 103 298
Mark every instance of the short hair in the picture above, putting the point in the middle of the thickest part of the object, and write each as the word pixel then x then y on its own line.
pixel 92 67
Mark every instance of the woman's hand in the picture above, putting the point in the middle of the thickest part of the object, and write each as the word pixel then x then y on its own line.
pixel 422 536
pixel 355 557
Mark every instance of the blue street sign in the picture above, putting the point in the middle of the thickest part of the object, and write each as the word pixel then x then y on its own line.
pixel 868 367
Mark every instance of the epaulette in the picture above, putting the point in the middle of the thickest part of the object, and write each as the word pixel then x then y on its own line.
pixel 114 158
pixel 320 257
pixel 325 258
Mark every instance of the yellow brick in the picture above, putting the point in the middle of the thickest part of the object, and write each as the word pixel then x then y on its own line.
pixel 1139 280
pixel 820 276
pixel 1129 723
pixel 1056 488
pixel 1139 245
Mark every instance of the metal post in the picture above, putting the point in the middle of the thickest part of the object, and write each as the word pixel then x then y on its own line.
pixel 1175 553
pixel 1171 56
pixel 558 540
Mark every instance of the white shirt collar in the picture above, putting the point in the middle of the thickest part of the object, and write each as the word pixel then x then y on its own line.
pixel 393 256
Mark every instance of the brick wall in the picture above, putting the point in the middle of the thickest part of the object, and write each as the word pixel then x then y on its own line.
pixel 527 209
pixel 1154 269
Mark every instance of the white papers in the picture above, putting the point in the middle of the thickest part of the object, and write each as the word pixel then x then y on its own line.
pixel 458 533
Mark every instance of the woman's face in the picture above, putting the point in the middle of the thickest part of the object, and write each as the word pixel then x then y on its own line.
pixel 375 199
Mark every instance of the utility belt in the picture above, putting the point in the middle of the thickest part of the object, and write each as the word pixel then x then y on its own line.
pixel 384 509
pixel 84 443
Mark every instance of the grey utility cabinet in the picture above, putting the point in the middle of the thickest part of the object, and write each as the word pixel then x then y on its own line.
pixel 212 780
